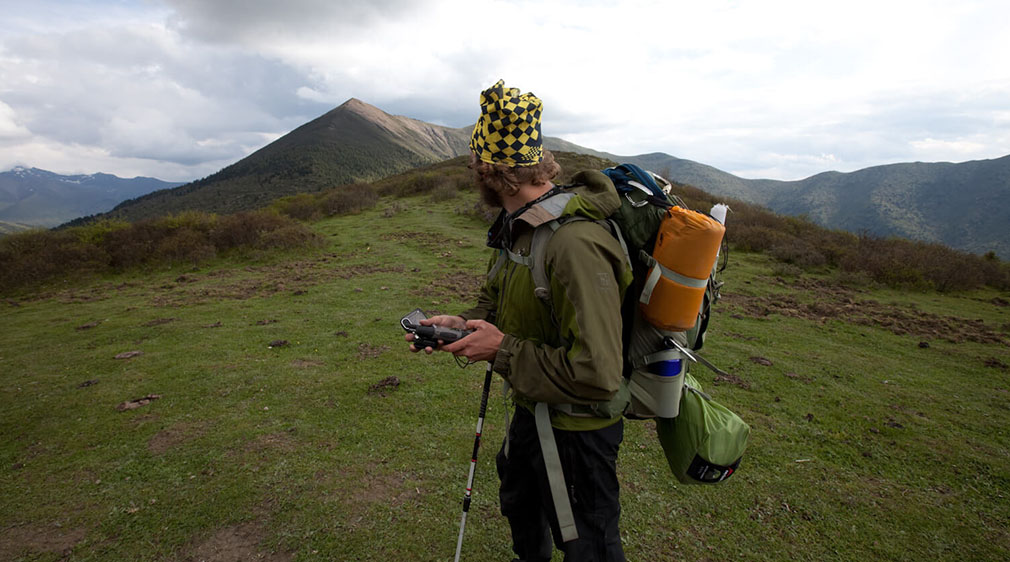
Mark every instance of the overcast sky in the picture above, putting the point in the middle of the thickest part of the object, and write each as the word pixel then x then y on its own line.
pixel 783 89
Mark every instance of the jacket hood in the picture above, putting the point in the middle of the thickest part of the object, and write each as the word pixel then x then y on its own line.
pixel 592 195
pixel 595 196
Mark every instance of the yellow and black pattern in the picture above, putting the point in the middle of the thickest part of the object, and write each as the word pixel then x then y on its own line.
pixel 508 131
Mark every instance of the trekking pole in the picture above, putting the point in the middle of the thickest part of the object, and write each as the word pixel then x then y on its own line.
pixel 473 458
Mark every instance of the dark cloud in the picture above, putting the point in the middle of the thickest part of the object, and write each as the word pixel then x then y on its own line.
pixel 269 20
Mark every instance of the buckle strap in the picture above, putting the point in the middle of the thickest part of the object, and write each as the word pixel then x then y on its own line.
pixel 658 270
pixel 555 473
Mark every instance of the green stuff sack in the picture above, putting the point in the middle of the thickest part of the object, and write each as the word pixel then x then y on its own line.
pixel 704 444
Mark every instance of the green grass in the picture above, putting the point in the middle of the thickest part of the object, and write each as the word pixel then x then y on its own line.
pixel 864 445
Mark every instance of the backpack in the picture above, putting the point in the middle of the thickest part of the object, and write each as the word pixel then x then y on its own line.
pixel 656 359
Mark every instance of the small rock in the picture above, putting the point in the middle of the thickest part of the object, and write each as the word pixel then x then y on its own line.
pixel 278 343
pixel 924 345
pixel 129 354
pixel 87 326
pixel 137 402
pixel 761 361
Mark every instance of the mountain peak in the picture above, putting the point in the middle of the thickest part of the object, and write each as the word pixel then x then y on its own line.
pixel 355 105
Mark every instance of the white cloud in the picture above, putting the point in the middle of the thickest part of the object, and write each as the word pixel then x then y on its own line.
pixel 10 129
pixel 745 86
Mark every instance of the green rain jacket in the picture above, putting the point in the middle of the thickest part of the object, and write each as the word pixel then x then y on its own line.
pixel 570 351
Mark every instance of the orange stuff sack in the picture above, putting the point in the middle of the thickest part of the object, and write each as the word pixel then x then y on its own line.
pixel 687 246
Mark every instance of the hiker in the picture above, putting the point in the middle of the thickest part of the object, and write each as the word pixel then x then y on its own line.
pixel 561 356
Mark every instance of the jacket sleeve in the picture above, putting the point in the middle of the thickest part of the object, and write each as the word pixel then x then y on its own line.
pixel 589 273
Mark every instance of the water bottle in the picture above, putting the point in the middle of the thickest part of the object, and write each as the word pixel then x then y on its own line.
pixel 718 213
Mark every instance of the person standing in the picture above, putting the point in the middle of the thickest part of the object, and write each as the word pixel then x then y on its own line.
pixel 559 348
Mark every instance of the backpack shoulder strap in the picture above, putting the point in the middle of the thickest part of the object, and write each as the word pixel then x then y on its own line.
pixel 537 260
pixel 538 256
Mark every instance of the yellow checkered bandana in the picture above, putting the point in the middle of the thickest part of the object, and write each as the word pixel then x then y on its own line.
pixel 508 131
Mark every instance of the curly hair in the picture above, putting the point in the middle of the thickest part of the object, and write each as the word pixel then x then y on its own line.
pixel 505 180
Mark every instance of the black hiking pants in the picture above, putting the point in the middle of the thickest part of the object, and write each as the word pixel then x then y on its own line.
pixel 589 461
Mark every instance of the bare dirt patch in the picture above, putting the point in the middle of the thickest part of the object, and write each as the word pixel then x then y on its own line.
pixel 428 240
pixel 837 303
pixel 387 489
pixel 994 363
pixel 157 322
pixel 236 543
pixel 387 384
pixel 369 351
pixel 730 378
pixel 279 441
pixel 452 286
pixel 174 436
pixel 306 363
pixel 36 539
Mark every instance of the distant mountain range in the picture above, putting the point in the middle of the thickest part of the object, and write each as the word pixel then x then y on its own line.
pixel 966 206
pixel 30 196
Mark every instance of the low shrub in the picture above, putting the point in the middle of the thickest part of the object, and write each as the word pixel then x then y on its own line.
pixel 444 192
pixel 798 252
pixel 27 258
pixel 480 210
pixel 183 244
pixel 396 208
pixel 288 236
pixel 921 265
pixel 341 200
pixel 786 270
pixel 348 199
pixel 303 207
pixel 39 256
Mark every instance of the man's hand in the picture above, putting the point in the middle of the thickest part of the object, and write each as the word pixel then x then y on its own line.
pixel 481 345
pixel 455 322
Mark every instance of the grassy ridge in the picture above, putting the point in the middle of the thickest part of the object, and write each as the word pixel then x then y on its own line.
pixel 34 258
pixel 865 445
pixel 12 227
